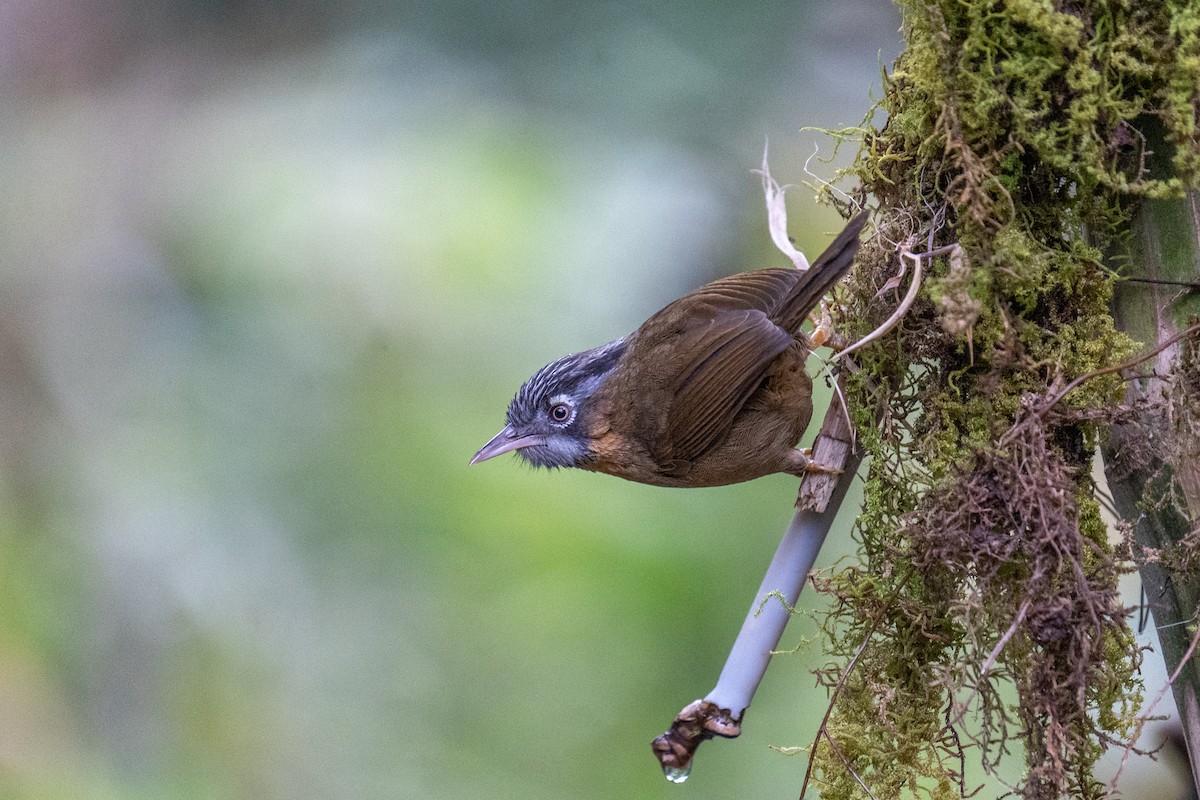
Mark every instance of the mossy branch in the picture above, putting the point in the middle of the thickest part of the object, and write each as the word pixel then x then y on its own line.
pixel 1021 132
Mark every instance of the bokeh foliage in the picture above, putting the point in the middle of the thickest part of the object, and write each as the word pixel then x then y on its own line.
pixel 269 273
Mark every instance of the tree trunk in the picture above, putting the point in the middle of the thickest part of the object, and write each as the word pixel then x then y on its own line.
pixel 1153 464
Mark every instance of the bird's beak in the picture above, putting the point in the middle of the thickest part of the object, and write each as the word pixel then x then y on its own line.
pixel 506 441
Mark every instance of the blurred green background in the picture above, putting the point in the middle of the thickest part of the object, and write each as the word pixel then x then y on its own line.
pixel 269 274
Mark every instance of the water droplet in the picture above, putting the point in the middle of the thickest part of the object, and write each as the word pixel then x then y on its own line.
pixel 678 774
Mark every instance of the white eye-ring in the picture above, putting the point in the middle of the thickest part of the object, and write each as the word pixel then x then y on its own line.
pixel 561 410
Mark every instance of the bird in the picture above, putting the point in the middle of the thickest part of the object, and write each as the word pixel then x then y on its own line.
pixel 709 391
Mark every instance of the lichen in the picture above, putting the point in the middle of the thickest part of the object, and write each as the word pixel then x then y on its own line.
pixel 983 609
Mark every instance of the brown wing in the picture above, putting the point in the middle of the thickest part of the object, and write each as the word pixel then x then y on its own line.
pixel 703 356
pixel 719 343
pixel 712 390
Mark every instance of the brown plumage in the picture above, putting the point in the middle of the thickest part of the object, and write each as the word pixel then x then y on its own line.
pixel 710 390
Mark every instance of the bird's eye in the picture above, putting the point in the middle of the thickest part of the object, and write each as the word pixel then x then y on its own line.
pixel 560 412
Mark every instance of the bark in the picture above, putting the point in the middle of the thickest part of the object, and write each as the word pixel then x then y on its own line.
pixel 1153 464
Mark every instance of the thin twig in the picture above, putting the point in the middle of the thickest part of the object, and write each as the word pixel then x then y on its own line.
pixel 1008 634
pixel 991 659
pixel 824 184
pixel 846 763
pixel 837 689
pixel 821 729
pixel 909 298
pixel 1133 362
pixel 1164 282
pixel 1187 656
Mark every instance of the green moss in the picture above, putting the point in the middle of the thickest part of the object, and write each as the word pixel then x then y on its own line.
pixel 1023 131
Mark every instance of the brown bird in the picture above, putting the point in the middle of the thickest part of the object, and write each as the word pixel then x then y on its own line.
pixel 709 391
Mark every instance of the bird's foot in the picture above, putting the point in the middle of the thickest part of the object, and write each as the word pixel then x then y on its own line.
pixel 806 466
pixel 822 327
pixel 824 334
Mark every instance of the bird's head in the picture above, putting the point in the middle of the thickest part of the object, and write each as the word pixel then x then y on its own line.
pixel 548 418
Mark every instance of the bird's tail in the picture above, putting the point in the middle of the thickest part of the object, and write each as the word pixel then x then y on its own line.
pixel 821 275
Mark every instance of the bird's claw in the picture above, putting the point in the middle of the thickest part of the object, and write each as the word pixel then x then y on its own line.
pixel 822 331
pixel 810 467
